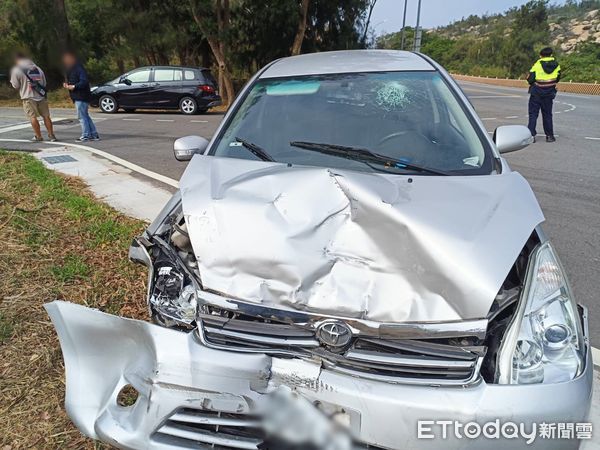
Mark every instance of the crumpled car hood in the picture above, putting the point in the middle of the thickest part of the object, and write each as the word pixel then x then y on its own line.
pixel 363 245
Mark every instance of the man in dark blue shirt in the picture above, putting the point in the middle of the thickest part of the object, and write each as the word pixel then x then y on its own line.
pixel 79 90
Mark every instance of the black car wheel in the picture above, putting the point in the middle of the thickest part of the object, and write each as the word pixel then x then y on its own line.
pixel 187 105
pixel 108 104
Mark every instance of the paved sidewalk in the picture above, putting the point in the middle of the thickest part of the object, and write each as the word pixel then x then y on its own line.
pixel 109 181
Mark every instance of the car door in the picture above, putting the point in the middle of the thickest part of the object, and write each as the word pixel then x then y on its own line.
pixel 167 90
pixel 136 88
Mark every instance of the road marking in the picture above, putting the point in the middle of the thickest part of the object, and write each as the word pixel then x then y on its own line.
pixel 489 118
pixel 592 138
pixel 596 358
pixel 199 121
pixel 24 125
pixel 512 117
pixel 115 159
pixel 165 120
pixel 495 96
pixel 133 120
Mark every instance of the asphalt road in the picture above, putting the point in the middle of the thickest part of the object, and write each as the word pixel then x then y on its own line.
pixel 564 175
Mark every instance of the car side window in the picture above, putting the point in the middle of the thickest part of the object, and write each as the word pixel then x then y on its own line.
pixel 167 75
pixel 189 75
pixel 140 76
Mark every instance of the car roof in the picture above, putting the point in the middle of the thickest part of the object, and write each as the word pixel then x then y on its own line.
pixel 347 61
pixel 170 67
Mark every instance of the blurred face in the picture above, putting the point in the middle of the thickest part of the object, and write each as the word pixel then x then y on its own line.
pixel 68 59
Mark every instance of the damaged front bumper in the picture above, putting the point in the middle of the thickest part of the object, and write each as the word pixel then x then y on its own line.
pixel 191 396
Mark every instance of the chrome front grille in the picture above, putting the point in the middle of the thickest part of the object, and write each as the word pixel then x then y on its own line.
pixel 189 428
pixel 193 429
pixel 256 334
pixel 443 361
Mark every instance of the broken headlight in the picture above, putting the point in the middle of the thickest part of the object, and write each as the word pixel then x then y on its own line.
pixel 173 292
pixel 544 343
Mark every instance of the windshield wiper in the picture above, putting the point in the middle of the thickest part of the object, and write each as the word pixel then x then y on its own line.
pixel 363 155
pixel 256 150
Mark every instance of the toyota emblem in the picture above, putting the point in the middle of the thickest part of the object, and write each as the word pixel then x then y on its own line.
pixel 334 334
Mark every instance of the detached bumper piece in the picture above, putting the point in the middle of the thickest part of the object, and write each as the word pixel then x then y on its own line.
pixel 190 396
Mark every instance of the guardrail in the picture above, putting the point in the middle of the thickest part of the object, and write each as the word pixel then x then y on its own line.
pixel 563 86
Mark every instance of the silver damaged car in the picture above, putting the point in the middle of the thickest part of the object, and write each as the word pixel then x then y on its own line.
pixel 349 256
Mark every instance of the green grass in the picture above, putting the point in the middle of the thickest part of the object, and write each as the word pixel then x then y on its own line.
pixel 73 268
pixel 56 242
pixel 6 329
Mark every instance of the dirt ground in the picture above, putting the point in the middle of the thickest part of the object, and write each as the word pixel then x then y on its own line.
pixel 56 242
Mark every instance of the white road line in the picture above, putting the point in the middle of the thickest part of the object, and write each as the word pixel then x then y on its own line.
pixel 495 96
pixel 596 358
pixel 512 117
pixel 592 138
pixel 165 120
pixel 115 159
pixel 489 118
pixel 24 125
pixel 133 120
pixel 199 121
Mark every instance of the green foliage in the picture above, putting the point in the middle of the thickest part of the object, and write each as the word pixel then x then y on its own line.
pixel 113 36
pixel 582 65
pixel 505 45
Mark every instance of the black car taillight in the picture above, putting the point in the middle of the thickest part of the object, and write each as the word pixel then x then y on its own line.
pixel 207 88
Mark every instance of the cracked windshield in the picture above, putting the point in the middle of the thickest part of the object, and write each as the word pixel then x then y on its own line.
pixel 396 122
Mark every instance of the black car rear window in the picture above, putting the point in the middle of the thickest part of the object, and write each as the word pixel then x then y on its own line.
pixel 208 77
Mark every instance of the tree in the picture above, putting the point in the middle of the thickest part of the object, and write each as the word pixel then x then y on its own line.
pixel 213 18
pixel 297 45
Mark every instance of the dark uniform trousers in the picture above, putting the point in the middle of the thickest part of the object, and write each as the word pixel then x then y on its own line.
pixel 541 101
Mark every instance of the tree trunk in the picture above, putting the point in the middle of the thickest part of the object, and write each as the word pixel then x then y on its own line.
pixel 217 45
pixel 297 45
pixel 62 28
pixel 364 36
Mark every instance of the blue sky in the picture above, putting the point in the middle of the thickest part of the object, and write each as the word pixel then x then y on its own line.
pixel 387 15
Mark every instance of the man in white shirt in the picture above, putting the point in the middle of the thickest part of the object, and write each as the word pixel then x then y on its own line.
pixel 30 81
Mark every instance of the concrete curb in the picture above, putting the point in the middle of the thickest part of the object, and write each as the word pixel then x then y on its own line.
pixel 105 155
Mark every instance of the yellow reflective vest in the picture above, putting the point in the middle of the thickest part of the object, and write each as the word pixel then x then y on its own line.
pixel 545 72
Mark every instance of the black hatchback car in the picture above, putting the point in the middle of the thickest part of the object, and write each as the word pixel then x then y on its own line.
pixel 191 90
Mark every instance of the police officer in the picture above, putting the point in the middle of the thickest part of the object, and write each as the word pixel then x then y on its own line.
pixel 543 77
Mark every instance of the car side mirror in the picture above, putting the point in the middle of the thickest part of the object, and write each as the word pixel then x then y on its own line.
pixel 510 138
pixel 186 147
pixel 125 81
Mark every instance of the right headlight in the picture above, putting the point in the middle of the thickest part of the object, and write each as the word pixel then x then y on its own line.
pixel 544 343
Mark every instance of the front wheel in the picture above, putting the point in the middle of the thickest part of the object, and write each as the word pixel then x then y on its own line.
pixel 108 104
pixel 188 105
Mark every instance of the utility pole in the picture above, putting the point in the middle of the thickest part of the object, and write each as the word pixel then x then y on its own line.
pixel 403 24
pixel 417 40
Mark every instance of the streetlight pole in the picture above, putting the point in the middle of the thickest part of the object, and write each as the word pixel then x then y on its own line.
pixel 403 24
pixel 417 40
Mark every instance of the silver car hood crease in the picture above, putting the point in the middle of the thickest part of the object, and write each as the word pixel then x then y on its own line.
pixel 374 246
